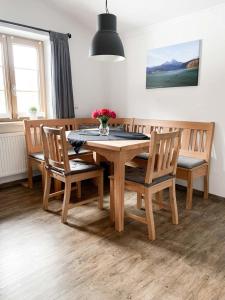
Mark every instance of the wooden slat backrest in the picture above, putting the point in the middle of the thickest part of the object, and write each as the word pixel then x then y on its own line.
pixel 163 155
pixel 33 133
pixel 82 123
pixel 127 123
pixel 55 149
pixel 89 122
pixel 196 138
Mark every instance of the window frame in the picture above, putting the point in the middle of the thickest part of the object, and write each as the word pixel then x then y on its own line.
pixel 6 78
pixel 9 74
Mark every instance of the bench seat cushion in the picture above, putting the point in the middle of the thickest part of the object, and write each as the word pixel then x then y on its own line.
pixel 71 152
pixel 189 162
pixel 138 175
pixel 143 155
pixel 183 161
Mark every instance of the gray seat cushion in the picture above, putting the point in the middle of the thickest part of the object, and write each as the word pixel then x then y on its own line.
pixel 88 126
pixel 81 152
pixel 189 162
pixel 143 155
pixel 138 175
pixel 71 152
pixel 117 128
pixel 38 155
pixel 77 166
pixel 183 161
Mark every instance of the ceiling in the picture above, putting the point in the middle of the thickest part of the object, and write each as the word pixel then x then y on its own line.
pixel 132 14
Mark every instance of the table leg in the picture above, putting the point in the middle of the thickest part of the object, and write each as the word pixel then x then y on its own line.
pixel 119 170
pixel 97 158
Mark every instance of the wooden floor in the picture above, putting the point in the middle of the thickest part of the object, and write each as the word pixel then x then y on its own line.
pixel 40 258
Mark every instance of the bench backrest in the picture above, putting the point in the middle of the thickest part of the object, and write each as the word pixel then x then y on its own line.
pixel 83 123
pixel 33 131
pixel 196 137
pixel 126 123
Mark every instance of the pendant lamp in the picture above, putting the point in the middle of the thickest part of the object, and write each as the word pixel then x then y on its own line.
pixel 106 44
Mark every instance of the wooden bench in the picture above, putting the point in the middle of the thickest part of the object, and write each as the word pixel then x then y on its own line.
pixel 35 155
pixel 195 152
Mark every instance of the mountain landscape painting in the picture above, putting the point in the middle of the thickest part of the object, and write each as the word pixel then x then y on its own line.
pixel 173 66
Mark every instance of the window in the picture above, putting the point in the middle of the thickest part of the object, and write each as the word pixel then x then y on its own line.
pixel 21 77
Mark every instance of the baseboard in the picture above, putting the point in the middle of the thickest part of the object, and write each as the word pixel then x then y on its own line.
pixel 17 177
pixel 198 192
pixel 13 178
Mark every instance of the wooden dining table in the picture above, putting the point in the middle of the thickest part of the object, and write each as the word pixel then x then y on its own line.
pixel 119 153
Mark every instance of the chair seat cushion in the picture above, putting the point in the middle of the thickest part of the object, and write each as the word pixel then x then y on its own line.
pixel 80 166
pixel 138 175
pixel 71 152
pixel 189 162
pixel 183 161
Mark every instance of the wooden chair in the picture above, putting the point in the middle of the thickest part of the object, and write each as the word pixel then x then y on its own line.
pixel 35 156
pixel 58 166
pixel 159 175
pixel 195 152
pixel 195 155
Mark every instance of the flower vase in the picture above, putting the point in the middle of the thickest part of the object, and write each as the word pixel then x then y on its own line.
pixel 103 128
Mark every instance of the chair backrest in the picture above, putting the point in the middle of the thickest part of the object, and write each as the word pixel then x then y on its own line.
pixel 196 137
pixel 163 155
pixel 33 131
pixel 126 123
pixel 55 149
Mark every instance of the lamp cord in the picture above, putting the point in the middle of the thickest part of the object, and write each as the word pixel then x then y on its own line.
pixel 106 6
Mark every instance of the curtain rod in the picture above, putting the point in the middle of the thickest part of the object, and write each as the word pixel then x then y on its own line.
pixel 30 27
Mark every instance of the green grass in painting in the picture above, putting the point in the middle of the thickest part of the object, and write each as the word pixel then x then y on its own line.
pixel 162 79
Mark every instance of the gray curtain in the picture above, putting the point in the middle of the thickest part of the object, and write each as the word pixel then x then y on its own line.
pixel 63 103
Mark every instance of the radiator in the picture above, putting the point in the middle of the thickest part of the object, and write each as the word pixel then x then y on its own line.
pixel 12 154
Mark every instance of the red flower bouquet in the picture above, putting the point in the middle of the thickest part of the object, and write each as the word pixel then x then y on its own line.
pixel 103 115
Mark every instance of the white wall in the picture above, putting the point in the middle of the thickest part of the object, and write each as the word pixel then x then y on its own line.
pixel 87 75
pixel 205 102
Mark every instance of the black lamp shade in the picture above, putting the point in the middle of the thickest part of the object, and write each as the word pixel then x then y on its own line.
pixel 106 44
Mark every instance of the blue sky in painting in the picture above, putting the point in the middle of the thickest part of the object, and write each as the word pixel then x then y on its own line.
pixel 180 52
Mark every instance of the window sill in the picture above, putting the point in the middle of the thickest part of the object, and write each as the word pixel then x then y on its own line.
pixel 12 126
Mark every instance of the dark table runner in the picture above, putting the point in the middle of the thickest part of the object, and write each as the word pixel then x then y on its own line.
pixel 78 138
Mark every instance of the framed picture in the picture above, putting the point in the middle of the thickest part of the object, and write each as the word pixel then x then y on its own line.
pixel 173 66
